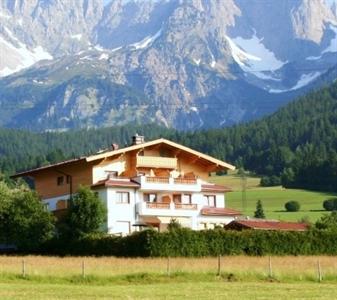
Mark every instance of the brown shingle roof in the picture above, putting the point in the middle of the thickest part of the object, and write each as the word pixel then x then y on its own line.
pixel 116 152
pixel 65 162
pixel 217 211
pixel 266 225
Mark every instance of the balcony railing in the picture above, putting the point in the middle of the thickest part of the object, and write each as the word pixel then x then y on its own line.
pixel 157 162
pixel 160 183
pixel 161 205
pixel 158 205
pixel 185 206
pixel 185 181
pixel 157 179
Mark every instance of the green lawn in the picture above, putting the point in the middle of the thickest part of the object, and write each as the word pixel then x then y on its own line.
pixel 273 199
pixel 235 181
pixel 242 277
pixel 183 290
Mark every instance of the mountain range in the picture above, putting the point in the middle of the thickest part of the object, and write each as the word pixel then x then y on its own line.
pixel 180 63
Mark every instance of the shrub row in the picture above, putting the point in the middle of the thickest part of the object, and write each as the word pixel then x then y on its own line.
pixel 185 242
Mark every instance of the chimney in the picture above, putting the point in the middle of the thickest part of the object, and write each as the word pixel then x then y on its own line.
pixel 137 139
pixel 114 146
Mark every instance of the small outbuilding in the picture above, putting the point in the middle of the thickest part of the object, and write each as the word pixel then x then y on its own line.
pixel 261 224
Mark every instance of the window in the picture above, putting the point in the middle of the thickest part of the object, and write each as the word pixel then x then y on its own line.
pixel 163 153
pixel 111 174
pixel 60 180
pixel 122 227
pixel 186 199
pixel 122 197
pixel 46 206
pixel 61 204
pixel 68 179
pixel 150 197
pixel 210 200
pixel 182 198
pixel 176 198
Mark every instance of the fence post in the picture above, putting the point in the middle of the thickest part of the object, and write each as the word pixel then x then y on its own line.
pixel 168 266
pixel 83 269
pixel 219 265
pixel 319 271
pixel 270 268
pixel 23 268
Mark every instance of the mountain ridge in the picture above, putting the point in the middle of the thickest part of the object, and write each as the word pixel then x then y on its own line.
pixel 194 63
pixel 289 144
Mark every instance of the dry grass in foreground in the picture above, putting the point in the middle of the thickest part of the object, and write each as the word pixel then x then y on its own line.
pixel 242 267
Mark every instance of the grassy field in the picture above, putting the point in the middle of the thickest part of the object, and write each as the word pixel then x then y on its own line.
pixel 190 278
pixel 186 290
pixel 273 199
pixel 285 268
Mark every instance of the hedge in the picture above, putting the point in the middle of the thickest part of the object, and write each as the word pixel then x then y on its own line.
pixel 188 243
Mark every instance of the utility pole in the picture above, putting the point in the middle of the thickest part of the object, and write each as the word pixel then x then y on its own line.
pixel 243 191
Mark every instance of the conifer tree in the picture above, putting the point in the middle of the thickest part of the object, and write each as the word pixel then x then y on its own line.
pixel 259 213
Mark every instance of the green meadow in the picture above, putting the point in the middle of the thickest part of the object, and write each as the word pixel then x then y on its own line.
pixel 170 290
pixel 273 199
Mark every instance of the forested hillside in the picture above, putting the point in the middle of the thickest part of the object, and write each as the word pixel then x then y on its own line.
pixel 297 144
pixel 22 150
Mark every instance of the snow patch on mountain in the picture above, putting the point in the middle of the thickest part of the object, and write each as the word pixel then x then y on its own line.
pixel 99 48
pixel 333 43
pixel 146 42
pixel 303 81
pixel 197 61
pixel 4 16
pixel 253 57
pixel 76 37
pixel 103 56
pixel 314 57
pixel 18 56
pixel 115 49
pixel 332 48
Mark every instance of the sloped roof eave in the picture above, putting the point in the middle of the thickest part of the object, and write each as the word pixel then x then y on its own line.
pixel 59 164
pixel 92 158
pixel 158 141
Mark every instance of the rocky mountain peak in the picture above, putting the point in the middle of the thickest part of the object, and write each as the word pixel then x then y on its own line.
pixel 310 18
pixel 181 63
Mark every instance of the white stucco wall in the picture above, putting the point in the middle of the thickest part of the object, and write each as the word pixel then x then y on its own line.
pixel 121 214
pixel 51 202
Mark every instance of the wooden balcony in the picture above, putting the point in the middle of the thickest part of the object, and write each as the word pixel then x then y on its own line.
pixel 159 183
pixel 162 205
pixel 186 206
pixel 157 162
pixel 157 179
pixel 157 205
pixel 166 209
pixel 185 181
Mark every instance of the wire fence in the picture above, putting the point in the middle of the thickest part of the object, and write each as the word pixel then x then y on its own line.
pixel 273 267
